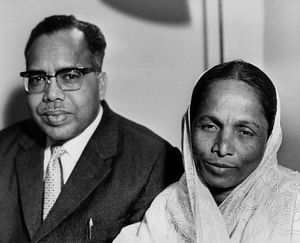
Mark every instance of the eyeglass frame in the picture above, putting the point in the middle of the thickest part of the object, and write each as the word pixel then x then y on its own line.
pixel 81 70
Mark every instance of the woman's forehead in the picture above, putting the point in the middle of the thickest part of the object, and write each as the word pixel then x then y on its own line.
pixel 227 87
pixel 230 97
pixel 231 86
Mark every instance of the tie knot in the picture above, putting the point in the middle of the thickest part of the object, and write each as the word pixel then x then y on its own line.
pixel 57 151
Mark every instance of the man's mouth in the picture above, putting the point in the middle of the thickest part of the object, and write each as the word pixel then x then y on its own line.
pixel 55 117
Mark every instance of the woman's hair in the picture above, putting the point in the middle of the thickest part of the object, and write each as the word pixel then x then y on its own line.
pixel 240 71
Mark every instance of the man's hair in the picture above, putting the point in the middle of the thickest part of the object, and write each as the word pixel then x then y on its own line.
pixel 94 38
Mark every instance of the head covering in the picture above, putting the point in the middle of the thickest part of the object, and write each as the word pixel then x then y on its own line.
pixel 265 207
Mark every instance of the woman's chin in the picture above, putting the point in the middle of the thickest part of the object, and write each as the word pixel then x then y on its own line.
pixel 220 183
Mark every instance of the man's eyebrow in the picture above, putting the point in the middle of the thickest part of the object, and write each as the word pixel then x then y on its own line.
pixel 66 67
pixel 35 71
pixel 56 70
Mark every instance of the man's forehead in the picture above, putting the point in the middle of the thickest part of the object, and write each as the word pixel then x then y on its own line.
pixel 70 36
pixel 62 46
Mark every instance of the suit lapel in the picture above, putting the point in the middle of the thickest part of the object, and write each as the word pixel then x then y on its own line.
pixel 89 173
pixel 29 167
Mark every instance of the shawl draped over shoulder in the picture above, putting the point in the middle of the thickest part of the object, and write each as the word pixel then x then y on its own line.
pixel 265 207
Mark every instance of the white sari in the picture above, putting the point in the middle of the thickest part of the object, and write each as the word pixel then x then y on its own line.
pixel 265 207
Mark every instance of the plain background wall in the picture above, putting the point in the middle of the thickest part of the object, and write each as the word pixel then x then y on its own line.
pixel 156 53
pixel 282 62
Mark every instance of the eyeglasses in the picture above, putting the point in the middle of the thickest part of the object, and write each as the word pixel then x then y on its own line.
pixel 68 79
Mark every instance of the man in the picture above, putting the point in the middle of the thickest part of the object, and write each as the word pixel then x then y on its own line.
pixel 76 171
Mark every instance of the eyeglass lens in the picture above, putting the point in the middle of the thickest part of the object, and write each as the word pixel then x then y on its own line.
pixel 66 79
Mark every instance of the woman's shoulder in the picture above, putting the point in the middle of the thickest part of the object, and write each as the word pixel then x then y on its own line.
pixel 162 221
pixel 172 208
pixel 172 196
pixel 284 192
pixel 288 176
pixel 285 181
pixel 283 202
pixel 288 171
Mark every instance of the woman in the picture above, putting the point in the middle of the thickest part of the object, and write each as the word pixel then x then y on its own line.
pixel 233 189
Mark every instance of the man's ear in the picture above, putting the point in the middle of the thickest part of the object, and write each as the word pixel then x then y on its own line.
pixel 102 81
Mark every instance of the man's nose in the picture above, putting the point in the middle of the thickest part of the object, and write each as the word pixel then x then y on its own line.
pixel 224 144
pixel 53 91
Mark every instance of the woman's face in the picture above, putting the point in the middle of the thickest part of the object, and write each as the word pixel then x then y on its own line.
pixel 229 134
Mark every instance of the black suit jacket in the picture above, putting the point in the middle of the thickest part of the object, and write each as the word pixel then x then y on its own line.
pixel 122 168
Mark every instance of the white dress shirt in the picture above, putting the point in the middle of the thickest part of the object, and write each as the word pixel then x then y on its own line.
pixel 74 148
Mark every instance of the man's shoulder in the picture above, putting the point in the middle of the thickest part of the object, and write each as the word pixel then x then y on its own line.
pixel 138 132
pixel 144 147
pixel 130 128
pixel 12 130
pixel 14 133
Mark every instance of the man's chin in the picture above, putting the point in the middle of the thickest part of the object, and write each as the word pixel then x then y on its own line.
pixel 59 133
